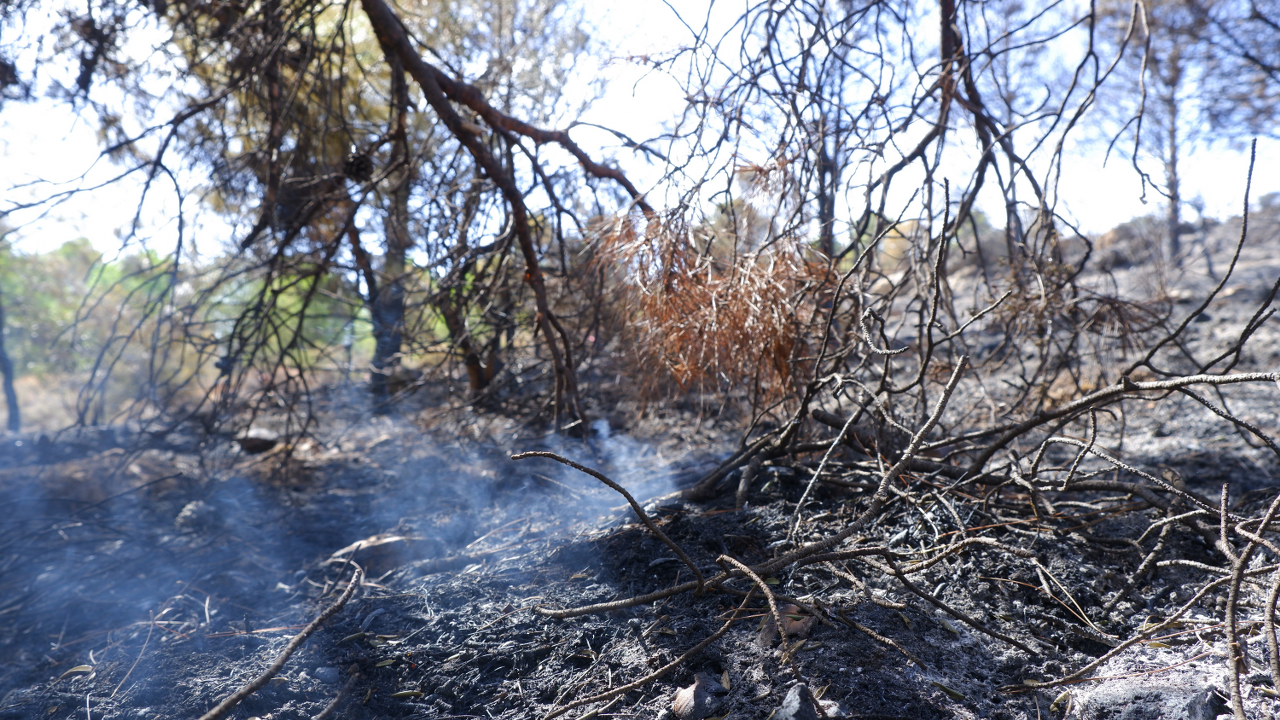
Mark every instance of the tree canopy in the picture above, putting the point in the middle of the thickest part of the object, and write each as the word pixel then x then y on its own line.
pixel 411 175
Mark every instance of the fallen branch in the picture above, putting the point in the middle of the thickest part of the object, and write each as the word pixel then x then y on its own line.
pixel 261 681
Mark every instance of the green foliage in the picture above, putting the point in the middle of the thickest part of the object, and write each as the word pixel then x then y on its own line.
pixel 65 305
pixel 42 293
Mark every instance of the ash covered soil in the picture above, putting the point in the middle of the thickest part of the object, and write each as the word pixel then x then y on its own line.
pixel 150 575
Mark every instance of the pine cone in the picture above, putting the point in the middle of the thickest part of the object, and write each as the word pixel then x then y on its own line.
pixel 358 167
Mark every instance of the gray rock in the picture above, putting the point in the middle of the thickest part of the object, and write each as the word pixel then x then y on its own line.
pixel 326 674
pixel 197 516
pixel 699 700
pixel 799 704
pixel 1143 701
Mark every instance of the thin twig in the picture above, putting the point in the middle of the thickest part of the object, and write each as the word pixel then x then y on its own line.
pixel 644 517
pixel 332 707
pixel 773 610
pixel 261 681
pixel 660 671
pixel 150 626
pixel 808 489
pixel 879 638
pixel 1235 654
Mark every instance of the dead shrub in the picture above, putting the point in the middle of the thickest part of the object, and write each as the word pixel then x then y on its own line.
pixel 694 320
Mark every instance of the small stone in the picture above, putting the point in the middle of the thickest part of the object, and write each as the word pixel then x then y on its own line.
pixel 327 675
pixel 699 699
pixel 799 704
pixel 197 516
pixel 257 441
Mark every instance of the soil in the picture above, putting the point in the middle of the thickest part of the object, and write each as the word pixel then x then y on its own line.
pixel 149 576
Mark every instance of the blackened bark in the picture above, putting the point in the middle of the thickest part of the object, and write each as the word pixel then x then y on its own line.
pixel 6 369
pixel 393 38
pixel 1174 215
pixel 827 183
pixel 477 375
pixel 387 311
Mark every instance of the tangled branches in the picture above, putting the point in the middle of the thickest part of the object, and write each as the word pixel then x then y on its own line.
pixel 991 453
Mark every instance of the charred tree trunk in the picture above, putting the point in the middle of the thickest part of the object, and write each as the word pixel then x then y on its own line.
pixel 1169 74
pixel 451 302
pixel 387 309
pixel 6 369
pixel 1173 216
pixel 477 375
pixel 827 183
pixel 394 40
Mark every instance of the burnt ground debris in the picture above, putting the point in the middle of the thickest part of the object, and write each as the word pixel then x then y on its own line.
pixel 469 643
pixel 149 576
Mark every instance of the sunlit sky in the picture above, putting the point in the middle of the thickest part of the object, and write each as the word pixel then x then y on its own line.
pixel 46 140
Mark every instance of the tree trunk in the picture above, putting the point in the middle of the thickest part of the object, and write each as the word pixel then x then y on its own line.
pixel 1172 80
pixel 387 312
pixel 477 375
pixel 6 369
pixel 826 195
pixel 1174 214
pixel 393 38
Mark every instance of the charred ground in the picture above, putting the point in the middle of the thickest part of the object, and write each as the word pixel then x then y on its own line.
pixel 150 575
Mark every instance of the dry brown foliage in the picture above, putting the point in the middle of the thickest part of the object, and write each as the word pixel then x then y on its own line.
pixel 694 320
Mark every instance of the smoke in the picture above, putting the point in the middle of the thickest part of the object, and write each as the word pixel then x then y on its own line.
pixel 112 547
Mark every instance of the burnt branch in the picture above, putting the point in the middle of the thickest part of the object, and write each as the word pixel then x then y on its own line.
pixel 261 681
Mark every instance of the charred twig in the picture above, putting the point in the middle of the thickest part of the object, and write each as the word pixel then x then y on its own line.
pixel 631 601
pixel 1093 438
pixel 1220 412
pixel 1273 646
pixel 1239 564
pixel 261 681
pixel 1137 575
pixel 1104 396
pixel 859 584
pixel 895 571
pixel 807 551
pixel 660 671
pixel 744 484
pixel 1190 497
pixel 795 523
pixel 332 707
pixel 773 609
pixel 1144 634
pixel 1190 317
pixel 150 626
pixel 881 495
pixel 880 638
pixel 705 487
pixel 644 517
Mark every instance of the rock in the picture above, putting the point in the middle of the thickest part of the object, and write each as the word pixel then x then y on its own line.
pixel 799 704
pixel 1141 699
pixel 326 674
pixel 699 700
pixel 257 440
pixel 197 516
